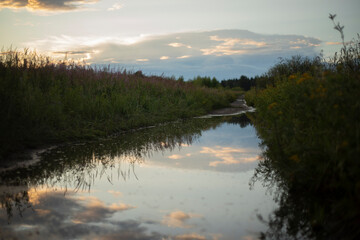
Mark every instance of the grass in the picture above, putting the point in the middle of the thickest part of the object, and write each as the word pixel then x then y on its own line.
pixel 43 101
pixel 308 117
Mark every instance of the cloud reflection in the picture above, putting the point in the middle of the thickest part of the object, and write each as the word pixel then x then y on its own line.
pixel 96 210
pixel 178 219
pixel 228 155
pixel 190 236
pixel 70 216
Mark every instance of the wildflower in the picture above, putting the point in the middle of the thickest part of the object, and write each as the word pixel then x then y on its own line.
pixel 279 113
pixel 300 80
pixel 291 77
pixel 306 75
pixel 295 158
pixel 344 144
pixel 272 105
pixel 336 106
pixel 321 90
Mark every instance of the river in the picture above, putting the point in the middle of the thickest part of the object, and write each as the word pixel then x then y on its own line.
pixel 181 180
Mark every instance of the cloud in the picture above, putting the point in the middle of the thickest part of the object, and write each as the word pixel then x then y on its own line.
pixel 190 236
pixel 115 193
pixel 176 156
pixel 96 210
pixel 70 216
pixel 220 53
pixel 46 5
pixel 142 60
pixel 231 46
pixel 116 6
pixel 177 219
pixel 73 52
pixel 184 56
pixel 333 43
pixel 176 45
pixel 228 155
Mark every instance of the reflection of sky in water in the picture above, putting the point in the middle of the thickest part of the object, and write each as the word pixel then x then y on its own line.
pixel 200 191
pixel 228 148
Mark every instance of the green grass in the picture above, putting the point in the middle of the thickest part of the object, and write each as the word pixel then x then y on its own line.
pixel 44 101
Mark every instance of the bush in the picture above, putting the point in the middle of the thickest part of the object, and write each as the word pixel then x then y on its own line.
pixel 310 124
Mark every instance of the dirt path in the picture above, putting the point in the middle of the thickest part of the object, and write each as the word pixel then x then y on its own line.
pixel 237 107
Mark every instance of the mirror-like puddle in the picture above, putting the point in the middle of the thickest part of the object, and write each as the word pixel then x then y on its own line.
pixel 184 180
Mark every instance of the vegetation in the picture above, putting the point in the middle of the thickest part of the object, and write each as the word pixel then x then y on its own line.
pixel 44 101
pixel 308 117
pixel 243 82
pixel 205 82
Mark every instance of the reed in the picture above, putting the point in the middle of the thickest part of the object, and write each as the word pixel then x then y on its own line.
pixel 44 101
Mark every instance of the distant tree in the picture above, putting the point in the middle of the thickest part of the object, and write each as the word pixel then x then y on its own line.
pixel 206 82
pixel 243 82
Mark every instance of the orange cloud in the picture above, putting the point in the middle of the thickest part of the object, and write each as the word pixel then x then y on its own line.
pixel 46 5
pixel 185 56
pixel 176 44
pixel 142 60
pixel 96 209
pixel 115 193
pixel 229 155
pixel 231 46
pixel 175 156
pixel 35 195
pixel 190 236
pixel 177 219
pixel 333 43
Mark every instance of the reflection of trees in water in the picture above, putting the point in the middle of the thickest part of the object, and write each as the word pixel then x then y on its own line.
pixel 242 120
pixel 14 198
pixel 308 206
pixel 78 165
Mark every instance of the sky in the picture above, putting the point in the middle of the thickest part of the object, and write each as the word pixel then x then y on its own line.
pixel 222 39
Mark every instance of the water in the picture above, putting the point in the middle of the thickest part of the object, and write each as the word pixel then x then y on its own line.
pixel 185 180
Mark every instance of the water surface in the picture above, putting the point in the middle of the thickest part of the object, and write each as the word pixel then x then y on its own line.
pixel 183 180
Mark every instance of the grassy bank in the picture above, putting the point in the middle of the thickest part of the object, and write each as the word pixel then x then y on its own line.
pixel 42 101
pixel 308 116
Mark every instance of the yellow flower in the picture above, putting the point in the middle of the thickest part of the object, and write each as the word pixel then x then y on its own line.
pixel 295 158
pixel 306 75
pixel 272 105
pixel 336 106
pixel 280 113
pixel 300 80
pixel 344 144
pixel 291 77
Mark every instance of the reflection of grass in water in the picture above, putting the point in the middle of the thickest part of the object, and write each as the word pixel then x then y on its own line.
pixel 77 166
pixel 308 118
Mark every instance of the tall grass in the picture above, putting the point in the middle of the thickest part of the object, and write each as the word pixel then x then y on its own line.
pixel 309 120
pixel 44 101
